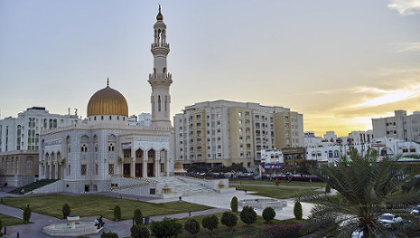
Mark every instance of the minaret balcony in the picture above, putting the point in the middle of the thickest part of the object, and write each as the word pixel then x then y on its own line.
pixel 160 45
pixel 166 76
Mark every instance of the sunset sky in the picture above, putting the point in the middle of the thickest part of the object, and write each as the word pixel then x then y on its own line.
pixel 339 63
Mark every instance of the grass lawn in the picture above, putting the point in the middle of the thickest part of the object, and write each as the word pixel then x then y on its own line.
pixel 275 192
pixel 240 230
pixel 10 221
pixel 281 182
pixel 96 205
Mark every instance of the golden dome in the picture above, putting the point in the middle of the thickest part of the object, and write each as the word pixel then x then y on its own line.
pixel 107 101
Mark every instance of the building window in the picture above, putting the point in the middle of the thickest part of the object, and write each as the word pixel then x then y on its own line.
pixel 83 148
pixel 96 169
pixel 83 169
pixel 111 147
pixel 68 170
pixel 111 169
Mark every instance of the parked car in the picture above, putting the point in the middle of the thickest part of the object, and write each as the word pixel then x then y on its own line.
pixel 415 210
pixel 358 233
pixel 387 219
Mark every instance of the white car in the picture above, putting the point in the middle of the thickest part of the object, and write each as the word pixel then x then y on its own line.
pixel 415 210
pixel 387 219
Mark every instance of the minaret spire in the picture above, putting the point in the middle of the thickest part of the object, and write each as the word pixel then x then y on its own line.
pixel 107 82
pixel 160 79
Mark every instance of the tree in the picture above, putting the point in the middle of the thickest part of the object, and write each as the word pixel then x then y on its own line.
pixel 192 226
pixel 27 214
pixel 297 210
pixel 210 223
pixel 117 213
pixel 234 204
pixel 66 210
pixel 268 214
pixel 327 188
pixel 166 228
pixel 109 235
pixel 139 231
pixel 248 215
pixel 229 219
pixel 138 217
pixel 363 187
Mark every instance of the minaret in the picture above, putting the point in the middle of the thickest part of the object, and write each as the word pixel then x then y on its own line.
pixel 160 79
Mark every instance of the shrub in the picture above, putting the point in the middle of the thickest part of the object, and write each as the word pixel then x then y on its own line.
pixel 234 204
pixel 117 213
pixel 139 231
pixel 166 228
pixel 297 210
pixel 248 215
pixel 192 226
pixel 138 217
pixel 1 227
pixel 27 214
pixel 66 210
pixel 210 223
pixel 109 235
pixel 268 214
pixel 282 231
pixel 229 219
pixel 327 188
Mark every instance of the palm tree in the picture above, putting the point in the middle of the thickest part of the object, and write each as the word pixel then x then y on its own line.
pixel 366 189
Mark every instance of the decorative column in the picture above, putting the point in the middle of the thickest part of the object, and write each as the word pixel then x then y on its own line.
pixel 144 166
pixel 55 170
pixel 167 165
pixel 133 162
pixel 157 164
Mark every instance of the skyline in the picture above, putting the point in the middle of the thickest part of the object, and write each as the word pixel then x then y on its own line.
pixel 339 64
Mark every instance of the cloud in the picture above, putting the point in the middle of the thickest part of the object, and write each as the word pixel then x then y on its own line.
pixel 389 96
pixel 409 47
pixel 405 7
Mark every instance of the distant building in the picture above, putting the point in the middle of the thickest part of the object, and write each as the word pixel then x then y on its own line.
pixel 330 136
pixel 401 126
pixel 144 119
pixel 360 137
pixel 19 142
pixel 310 139
pixel 272 157
pixel 226 132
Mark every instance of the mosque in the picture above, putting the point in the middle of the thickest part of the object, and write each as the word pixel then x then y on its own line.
pixel 106 152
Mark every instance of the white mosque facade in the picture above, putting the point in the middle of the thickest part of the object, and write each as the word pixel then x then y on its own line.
pixel 91 156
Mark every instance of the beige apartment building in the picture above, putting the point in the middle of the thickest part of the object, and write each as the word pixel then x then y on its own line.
pixel 227 132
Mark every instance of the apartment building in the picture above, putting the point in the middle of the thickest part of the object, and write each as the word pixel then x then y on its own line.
pixel 401 126
pixel 227 132
pixel 19 143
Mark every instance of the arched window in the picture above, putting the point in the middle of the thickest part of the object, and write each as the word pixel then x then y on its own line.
pixel 166 103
